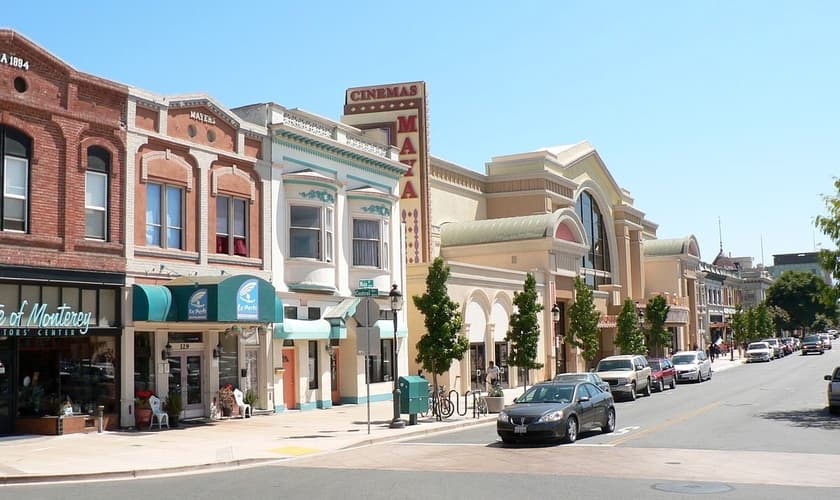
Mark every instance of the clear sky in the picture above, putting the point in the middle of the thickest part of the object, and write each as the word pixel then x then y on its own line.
pixel 705 111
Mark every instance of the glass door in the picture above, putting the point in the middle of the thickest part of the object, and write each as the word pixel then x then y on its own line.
pixel 185 377
pixel 6 392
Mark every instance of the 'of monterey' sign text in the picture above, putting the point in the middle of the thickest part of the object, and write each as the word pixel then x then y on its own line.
pixel 37 316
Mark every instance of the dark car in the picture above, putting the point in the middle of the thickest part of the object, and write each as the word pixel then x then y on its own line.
pixel 592 377
pixel 812 343
pixel 551 411
pixel 662 373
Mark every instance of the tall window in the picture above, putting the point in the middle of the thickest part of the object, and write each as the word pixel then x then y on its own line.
pixel 96 193
pixel 231 226
pixel 597 259
pixel 311 232
pixel 366 242
pixel 164 216
pixel 16 150
pixel 380 368
pixel 313 364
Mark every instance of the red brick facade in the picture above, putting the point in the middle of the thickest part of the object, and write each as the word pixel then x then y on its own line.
pixel 62 112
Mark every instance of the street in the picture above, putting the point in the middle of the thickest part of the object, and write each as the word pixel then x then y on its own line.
pixel 754 431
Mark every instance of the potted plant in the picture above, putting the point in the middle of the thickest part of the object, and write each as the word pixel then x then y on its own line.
pixel 226 399
pixel 174 407
pixel 142 408
pixel 495 399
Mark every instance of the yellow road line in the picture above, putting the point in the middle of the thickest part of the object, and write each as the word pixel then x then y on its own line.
pixel 672 421
pixel 295 451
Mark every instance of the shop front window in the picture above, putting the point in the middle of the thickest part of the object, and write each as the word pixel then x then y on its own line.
pixel 81 371
pixel 229 360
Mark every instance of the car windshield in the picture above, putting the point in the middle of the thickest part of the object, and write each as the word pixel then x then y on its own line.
pixel 548 393
pixel 812 338
pixel 655 365
pixel 615 365
pixel 683 359
pixel 756 345
pixel 571 376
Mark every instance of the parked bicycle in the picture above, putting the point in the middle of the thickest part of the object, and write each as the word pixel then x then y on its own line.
pixel 440 405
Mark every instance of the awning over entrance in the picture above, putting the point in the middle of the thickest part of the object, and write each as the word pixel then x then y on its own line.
pixel 386 329
pixel 237 298
pixel 300 329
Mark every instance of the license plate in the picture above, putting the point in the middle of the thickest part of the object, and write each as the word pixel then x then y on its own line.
pixel 520 429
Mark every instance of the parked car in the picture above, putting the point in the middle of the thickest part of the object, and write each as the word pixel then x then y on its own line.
pixel 812 343
pixel 662 373
pixel 692 365
pixel 826 338
pixel 759 351
pixel 776 345
pixel 556 410
pixel 627 374
pixel 590 377
pixel 833 391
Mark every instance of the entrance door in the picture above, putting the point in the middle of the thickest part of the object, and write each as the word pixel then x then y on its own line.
pixel 7 387
pixel 185 377
pixel 289 376
pixel 335 393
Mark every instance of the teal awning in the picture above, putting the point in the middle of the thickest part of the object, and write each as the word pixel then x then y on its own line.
pixel 151 303
pixel 343 309
pixel 386 329
pixel 300 329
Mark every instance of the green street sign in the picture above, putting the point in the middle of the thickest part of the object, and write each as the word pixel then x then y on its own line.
pixel 366 284
pixel 366 292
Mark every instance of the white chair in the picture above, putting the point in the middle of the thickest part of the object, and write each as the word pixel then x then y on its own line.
pixel 244 408
pixel 157 413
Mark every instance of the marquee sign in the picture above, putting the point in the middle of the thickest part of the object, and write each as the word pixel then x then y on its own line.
pixel 35 320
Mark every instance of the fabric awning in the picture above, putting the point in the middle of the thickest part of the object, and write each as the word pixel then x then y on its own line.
pixel 386 329
pixel 300 329
pixel 151 303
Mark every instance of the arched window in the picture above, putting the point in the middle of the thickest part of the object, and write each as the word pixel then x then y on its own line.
pixel 96 193
pixel 16 151
pixel 597 260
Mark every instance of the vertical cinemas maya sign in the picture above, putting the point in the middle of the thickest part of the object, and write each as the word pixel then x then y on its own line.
pixel 402 106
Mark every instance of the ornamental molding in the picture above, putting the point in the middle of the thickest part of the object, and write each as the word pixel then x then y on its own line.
pixel 378 210
pixel 169 156
pixel 314 194
pixel 218 173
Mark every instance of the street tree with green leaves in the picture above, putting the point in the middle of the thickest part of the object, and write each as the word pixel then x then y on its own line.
pixel 656 314
pixel 740 328
pixel 830 226
pixel 442 342
pixel 630 338
pixel 524 332
pixel 802 295
pixel 583 330
pixel 763 321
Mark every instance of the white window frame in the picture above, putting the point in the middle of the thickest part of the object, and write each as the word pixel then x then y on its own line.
pixel 101 211
pixel 383 246
pixel 231 224
pixel 7 195
pixel 326 215
pixel 163 227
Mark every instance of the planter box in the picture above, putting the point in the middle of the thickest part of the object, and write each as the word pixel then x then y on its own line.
pixel 495 404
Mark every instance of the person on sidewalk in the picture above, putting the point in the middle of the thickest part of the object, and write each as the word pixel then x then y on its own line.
pixel 493 373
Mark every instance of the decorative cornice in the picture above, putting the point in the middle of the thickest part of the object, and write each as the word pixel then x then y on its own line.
pixel 378 210
pixel 323 196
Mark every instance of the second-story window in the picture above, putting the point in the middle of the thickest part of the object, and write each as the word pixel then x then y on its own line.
pixel 232 226
pixel 164 216
pixel 311 232
pixel 370 243
pixel 15 150
pixel 96 193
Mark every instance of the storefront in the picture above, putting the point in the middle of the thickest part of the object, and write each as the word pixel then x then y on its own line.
pixel 193 335
pixel 59 350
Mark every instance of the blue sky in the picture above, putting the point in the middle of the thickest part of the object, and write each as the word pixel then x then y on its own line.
pixel 702 110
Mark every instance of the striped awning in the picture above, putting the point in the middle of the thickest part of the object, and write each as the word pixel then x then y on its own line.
pixel 607 321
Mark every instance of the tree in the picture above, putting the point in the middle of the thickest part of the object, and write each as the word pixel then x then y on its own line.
pixel 630 339
pixel 656 314
pixel 802 295
pixel 830 226
pixel 442 343
pixel 779 316
pixel 739 326
pixel 583 322
pixel 524 332
pixel 763 321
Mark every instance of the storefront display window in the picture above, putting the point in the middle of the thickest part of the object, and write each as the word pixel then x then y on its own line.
pixel 144 363
pixel 229 360
pixel 80 371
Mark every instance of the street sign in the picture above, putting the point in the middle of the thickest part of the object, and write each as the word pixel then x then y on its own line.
pixel 366 292
pixel 367 312
pixel 367 341
pixel 366 284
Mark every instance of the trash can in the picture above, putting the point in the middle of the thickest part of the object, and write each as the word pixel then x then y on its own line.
pixel 414 396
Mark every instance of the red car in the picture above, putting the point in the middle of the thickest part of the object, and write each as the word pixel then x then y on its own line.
pixel 662 373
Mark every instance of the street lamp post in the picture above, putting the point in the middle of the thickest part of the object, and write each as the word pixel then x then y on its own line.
pixel 396 304
pixel 558 343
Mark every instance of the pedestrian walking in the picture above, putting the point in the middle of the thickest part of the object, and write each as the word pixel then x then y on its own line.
pixel 493 373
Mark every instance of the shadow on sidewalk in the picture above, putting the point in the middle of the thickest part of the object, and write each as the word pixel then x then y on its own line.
pixel 810 418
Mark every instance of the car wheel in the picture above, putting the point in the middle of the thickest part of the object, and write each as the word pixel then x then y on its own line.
pixel 647 388
pixel 609 423
pixel 571 430
pixel 674 383
pixel 633 391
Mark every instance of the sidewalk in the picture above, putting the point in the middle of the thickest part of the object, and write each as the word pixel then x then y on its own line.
pixel 205 444
pixel 723 362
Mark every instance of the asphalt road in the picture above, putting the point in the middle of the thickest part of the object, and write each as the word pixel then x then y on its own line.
pixel 753 432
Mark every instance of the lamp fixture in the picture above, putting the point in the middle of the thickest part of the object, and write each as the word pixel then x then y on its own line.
pixel 166 352
pixel 555 313
pixel 396 298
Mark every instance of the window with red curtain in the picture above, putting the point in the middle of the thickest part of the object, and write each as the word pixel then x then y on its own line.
pixel 231 226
